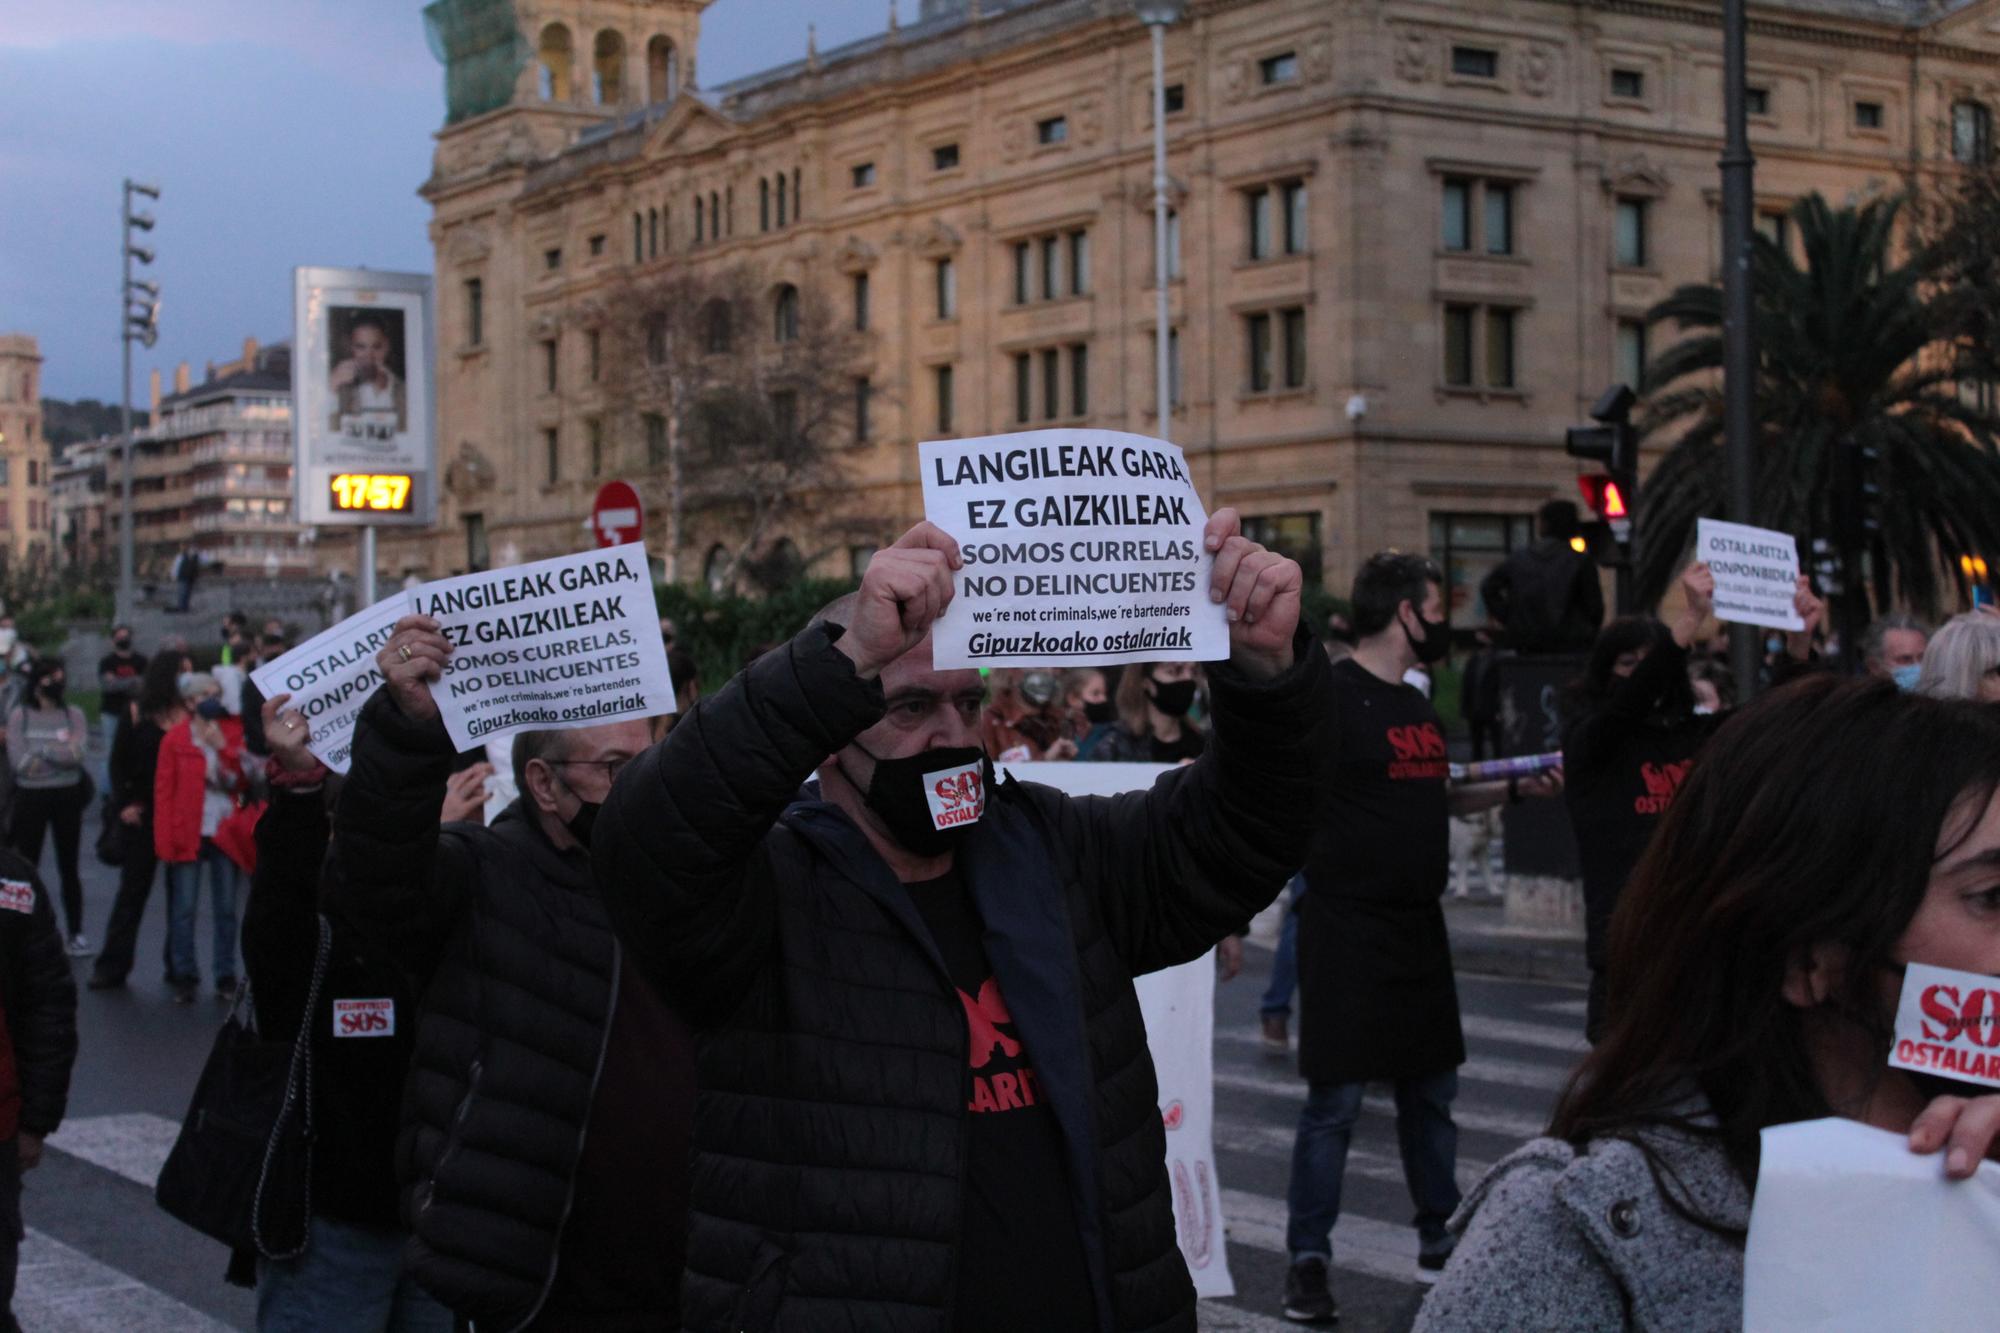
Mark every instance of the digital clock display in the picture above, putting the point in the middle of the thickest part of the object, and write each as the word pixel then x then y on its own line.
pixel 379 492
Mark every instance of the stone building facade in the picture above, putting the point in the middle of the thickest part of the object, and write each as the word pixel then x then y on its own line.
pixel 24 452
pixel 1413 241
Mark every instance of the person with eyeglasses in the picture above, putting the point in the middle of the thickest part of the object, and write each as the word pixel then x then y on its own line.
pixel 546 1122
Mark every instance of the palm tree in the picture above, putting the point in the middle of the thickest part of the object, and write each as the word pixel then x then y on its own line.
pixel 1854 355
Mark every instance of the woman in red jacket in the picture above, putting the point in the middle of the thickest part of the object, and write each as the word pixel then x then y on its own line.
pixel 194 790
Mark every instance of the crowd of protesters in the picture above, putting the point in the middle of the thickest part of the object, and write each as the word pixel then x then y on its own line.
pixel 703 1022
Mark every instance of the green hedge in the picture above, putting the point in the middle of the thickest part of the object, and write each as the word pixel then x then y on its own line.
pixel 721 633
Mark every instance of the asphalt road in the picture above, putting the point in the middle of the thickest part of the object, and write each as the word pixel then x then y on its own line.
pixel 101 1256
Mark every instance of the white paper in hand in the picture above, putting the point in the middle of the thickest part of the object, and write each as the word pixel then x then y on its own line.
pixel 1851 1230
pixel 568 642
pixel 1756 573
pixel 331 675
pixel 1081 548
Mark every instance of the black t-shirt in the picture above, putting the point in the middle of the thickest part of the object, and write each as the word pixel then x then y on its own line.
pixel 1383 829
pixel 125 670
pixel 1020 1255
pixel 1189 746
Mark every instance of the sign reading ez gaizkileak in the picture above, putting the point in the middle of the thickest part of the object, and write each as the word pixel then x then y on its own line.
pixel 1080 547
pixel 569 642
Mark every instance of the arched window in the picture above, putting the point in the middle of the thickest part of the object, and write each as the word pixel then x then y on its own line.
pixel 652 233
pixel 718 219
pixel 700 218
pixel 554 76
pixel 715 325
pixel 607 84
pixel 1971 132
pixel 715 569
pixel 785 314
pixel 764 204
pixel 781 199
pixel 663 71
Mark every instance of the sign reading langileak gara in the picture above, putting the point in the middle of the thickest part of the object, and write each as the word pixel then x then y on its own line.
pixel 569 642
pixel 1080 547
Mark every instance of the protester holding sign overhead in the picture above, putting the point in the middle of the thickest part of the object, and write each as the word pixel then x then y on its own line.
pixel 1379 1000
pixel 544 1149
pixel 925 1095
pixel 1756 969
pixel 1632 736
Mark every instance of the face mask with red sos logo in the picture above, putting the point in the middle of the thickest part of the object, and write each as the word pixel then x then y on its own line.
pixel 931 800
pixel 1948 1031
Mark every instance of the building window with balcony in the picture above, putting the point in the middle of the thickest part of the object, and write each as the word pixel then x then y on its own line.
pixel 1041 378
pixel 782 200
pixel 785 314
pixel 764 204
pixel 638 236
pixel 550 447
pixel 1024 388
pixel 593 343
pixel 942 386
pixel 1628 247
pixel 1173 245
pixel 475 312
pixel 1276 342
pixel 1079 379
pixel 861 303
pixel 1051 383
pixel 548 365
pixel 1464 366
pixel 945 280
pixel 1079 263
pixel 864 393
pixel 700 220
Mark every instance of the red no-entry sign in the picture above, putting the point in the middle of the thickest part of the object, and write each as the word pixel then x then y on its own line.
pixel 616 517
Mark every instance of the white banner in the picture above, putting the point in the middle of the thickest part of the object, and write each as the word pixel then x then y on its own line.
pixel 1852 1230
pixel 1081 547
pixel 1179 1005
pixel 568 642
pixel 1756 573
pixel 331 675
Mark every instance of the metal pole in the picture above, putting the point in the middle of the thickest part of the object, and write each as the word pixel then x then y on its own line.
pixel 1739 352
pixel 1162 361
pixel 125 417
pixel 364 581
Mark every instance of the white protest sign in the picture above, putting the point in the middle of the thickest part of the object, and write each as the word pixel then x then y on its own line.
pixel 1179 1007
pixel 1081 547
pixel 331 675
pixel 568 642
pixel 1852 1230
pixel 1948 1023
pixel 1756 573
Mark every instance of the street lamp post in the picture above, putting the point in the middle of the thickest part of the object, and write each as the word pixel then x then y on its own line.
pixel 1739 347
pixel 138 321
pixel 1158 15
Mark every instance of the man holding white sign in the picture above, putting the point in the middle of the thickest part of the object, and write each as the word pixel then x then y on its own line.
pixel 925 1094
pixel 545 1127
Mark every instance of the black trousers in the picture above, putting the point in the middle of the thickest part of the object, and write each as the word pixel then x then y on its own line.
pixel 128 910
pixel 40 810
pixel 11 1230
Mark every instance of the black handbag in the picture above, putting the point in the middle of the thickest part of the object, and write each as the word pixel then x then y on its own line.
pixel 241 1169
pixel 112 833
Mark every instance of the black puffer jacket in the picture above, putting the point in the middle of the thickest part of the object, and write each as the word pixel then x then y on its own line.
pixel 826 1189
pixel 40 996
pixel 522 970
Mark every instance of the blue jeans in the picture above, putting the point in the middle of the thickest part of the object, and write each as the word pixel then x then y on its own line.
pixel 183 893
pixel 1424 1131
pixel 107 727
pixel 349 1280
pixel 1285 962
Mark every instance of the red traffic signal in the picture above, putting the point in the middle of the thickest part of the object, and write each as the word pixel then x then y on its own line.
pixel 1603 494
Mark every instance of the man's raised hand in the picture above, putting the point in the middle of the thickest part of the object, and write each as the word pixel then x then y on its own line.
pixel 906 588
pixel 1261 590
pixel 414 657
pixel 286 733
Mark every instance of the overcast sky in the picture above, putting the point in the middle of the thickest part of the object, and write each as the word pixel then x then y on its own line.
pixel 282 132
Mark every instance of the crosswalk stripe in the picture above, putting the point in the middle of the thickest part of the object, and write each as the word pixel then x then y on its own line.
pixel 1360 1244
pixel 1479 1069
pixel 1477 1028
pixel 1275 1142
pixel 133 1145
pixel 1212 1317
pixel 1505 1124
pixel 63 1290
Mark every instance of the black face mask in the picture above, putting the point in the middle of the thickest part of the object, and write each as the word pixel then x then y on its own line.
pixel 1173 697
pixel 901 797
pixel 584 821
pixel 52 690
pixel 122 645
pixel 1435 643
pixel 1101 712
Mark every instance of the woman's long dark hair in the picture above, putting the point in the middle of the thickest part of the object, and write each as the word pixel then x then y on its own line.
pixel 159 688
pixel 1814 818
pixel 1627 634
